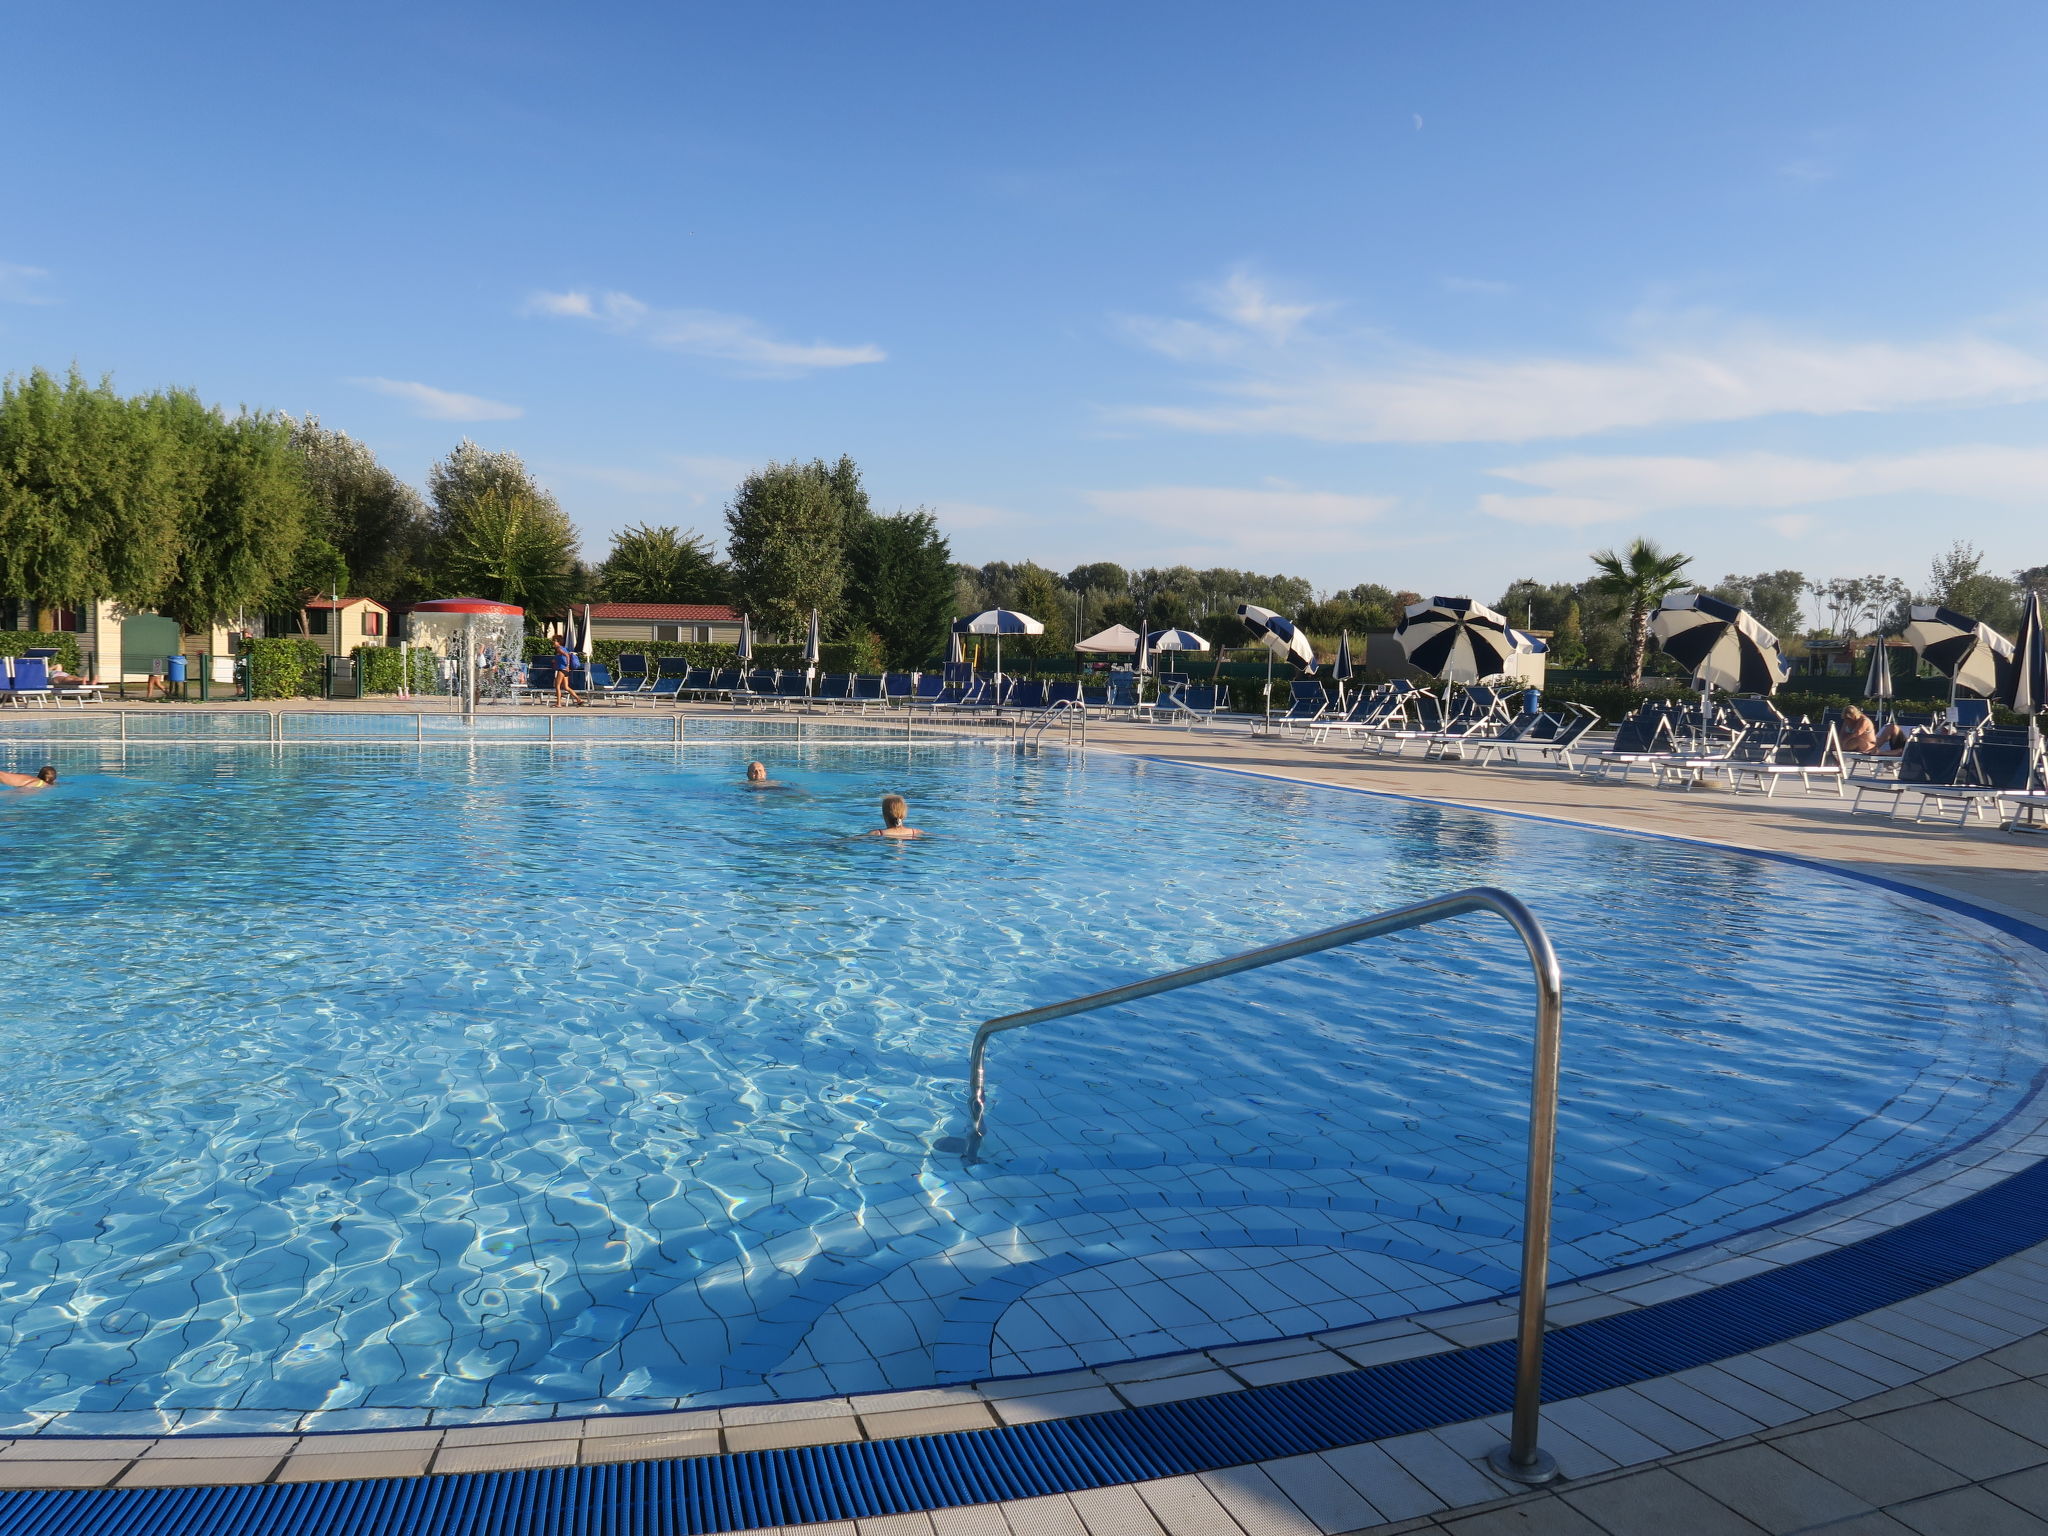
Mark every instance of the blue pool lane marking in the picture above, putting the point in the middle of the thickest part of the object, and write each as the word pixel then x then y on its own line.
pixel 863 1479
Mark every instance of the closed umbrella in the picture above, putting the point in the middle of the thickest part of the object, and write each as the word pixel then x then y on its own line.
pixel 1720 645
pixel 1341 669
pixel 1141 663
pixel 1458 639
pixel 588 654
pixel 1877 682
pixel 999 622
pixel 746 637
pixel 1970 655
pixel 2029 691
pixel 811 653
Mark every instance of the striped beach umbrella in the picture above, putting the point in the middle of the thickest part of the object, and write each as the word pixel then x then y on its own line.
pixel 1970 655
pixel 1719 644
pixel 2028 691
pixel 1279 636
pixel 1175 640
pixel 1459 639
pixel 998 622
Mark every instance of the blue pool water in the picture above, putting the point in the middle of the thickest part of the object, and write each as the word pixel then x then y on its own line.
pixel 376 1084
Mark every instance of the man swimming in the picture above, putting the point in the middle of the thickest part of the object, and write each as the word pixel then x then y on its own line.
pixel 894 809
pixel 757 778
pixel 42 778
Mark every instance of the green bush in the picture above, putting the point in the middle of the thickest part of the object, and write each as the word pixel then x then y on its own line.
pixel 864 655
pixel 381 669
pixel 19 642
pixel 288 667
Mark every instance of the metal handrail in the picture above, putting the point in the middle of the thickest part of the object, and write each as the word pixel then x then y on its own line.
pixel 1070 710
pixel 1521 1458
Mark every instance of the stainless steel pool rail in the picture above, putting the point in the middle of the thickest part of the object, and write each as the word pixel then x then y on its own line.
pixel 198 727
pixel 1070 713
pixel 1521 1458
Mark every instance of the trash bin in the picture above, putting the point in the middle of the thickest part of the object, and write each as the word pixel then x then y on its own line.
pixel 174 669
pixel 1532 701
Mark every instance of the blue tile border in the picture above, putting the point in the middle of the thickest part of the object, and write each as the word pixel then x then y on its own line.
pixel 865 1479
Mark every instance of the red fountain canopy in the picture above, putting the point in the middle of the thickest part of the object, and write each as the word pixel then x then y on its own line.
pixel 466 605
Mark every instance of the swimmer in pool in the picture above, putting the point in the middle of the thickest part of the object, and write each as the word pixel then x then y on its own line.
pixel 42 778
pixel 894 809
pixel 757 778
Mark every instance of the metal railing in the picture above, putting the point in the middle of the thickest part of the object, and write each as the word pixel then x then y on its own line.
pixel 314 727
pixel 1521 1458
pixel 1067 712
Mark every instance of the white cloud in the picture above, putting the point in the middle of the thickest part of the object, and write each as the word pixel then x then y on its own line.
pixel 1270 518
pixel 1791 525
pixel 701 333
pixel 442 404
pixel 1584 489
pixel 22 285
pixel 1283 378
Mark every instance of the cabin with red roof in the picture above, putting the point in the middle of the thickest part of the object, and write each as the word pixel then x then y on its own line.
pixel 696 623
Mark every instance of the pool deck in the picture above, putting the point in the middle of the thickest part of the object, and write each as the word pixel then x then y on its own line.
pixel 1929 1414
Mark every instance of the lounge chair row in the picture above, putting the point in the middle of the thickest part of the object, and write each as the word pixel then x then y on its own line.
pixel 26 681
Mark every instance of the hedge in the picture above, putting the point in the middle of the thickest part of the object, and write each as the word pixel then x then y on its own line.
pixel 19 642
pixel 287 667
pixel 864 655
pixel 381 669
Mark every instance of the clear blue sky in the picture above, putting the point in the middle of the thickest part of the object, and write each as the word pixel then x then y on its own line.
pixel 1433 295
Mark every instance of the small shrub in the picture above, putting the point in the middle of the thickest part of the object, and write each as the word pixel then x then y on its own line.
pixel 381 669
pixel 287 667
pixel 19 642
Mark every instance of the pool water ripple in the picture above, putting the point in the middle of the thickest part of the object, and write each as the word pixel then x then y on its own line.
pixel 466 1082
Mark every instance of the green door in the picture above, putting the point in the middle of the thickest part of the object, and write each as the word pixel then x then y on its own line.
pixel 146 639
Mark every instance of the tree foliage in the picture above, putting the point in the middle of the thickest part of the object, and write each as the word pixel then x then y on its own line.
pixel 373 520
pixel 1957 579
pixel 660 565
pixel 899 584
pixel 785 539
pixel 496 534
pixel 1636 580
pixel 1772 597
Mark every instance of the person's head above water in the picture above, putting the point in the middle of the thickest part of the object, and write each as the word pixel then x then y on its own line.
pixel 47 774
pixel 894 809
pixel 756 772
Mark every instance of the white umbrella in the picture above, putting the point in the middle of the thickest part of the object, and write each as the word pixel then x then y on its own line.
pixel 999 622
pixel 587 653
pixel 1118 639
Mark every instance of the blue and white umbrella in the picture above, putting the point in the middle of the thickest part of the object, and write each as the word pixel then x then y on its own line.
pixel 1970 655
pixel 2029 691
pixel 811 641
pixel 1461 640
pixel 1141 656
pixel 1175 640
pixel 1721 645
pixel 746 637
pixel 998 622
pixel 1280 637
pixel 1877 682
pixel 1340 670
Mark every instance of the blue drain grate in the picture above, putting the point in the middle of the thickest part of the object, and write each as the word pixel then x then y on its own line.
pixel 880 1477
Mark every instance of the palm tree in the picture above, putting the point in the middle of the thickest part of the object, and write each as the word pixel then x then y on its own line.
pixel 1638 579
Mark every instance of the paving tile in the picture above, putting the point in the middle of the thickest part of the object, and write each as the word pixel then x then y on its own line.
pixel 1966 1512
pixel 970 1520
pixel 1622 1445
pixel 1256 1503
pixel 2020 1406
pixel 514 1434
pixel 58 1474
pixel 1957 1438
pixel 339 1465
pixel 1648 1418
pixel 199 1471
pixel 364 1444
pixel 2029 1357
pixel 1056 1405
pixel 1656 1503
pixel 1448 1476
pixel 1695 1407
pixel 2028 1489
pixel 775 1437
pixel 786 1413
pixel 1405 1347
pixel 1183 1507
pixel 506 1458
pixel 1271 1349
pixel 1970 1376
pixel 1548 1516
pixel 901 1402
pixel 1113 1512
pixel 927 1421
pixel 896 1525
pixel 1264 1373
pixel 1038 1386
pixel 228 1447
pixel 1387 1485
pixel 75 1450
pixel 1871 1465
pixel 1053 1515
pixel 1766 1486
pixel 650 1423
pixel 1174 1389
pixel 1322 1493
pixel 680 1442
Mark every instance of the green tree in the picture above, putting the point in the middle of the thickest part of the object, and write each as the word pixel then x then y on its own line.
pixel 1099 576
pixel 785 539
pixel 1568 640
pixel 1958 580
pixel 318 570
pixel 1636 580
pixel 1771 597
pixel 87 508
pixel 1040 594
pixel 660 565
pixel 374 520
pixel 244 508
pixel 899 585
pixel 496 534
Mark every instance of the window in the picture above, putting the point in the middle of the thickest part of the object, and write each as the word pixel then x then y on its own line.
pixel 70 621
pixel 668 631
pixel 316 621
pixel 703 633
pixel 373 622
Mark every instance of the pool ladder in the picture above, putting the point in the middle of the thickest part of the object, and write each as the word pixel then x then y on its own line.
pixel 1070 713
pixel 1521 1458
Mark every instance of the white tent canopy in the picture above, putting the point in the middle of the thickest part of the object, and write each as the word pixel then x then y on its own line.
pixel 1120 639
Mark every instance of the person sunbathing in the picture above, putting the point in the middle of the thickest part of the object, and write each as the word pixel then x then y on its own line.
pixel 42 778
pixel 894 809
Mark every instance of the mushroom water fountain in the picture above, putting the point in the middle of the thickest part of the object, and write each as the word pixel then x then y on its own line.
pixel 480 643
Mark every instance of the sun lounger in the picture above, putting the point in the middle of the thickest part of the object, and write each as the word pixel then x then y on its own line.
pixel 1928 762
pixel 1640 741
pixel 1999 772
pixel 1307 703
pixel 670 675
pixel 1451 746
pixel 898 687
pixel 1420 717
pixel 1369 711
pixel 931 687
pixel 1028 694
pixel 1560 746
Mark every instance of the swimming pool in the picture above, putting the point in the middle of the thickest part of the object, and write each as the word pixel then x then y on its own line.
pixel 379 1084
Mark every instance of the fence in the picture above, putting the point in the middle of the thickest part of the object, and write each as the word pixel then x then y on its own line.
pixel 281 727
